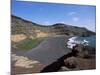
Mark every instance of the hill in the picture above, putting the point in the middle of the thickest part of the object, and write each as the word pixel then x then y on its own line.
pixel 27 29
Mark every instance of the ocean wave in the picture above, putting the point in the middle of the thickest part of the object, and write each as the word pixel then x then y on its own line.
pixel 74 40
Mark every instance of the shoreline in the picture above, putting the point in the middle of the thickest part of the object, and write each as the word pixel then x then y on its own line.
pixel 59 62
pixel 37 69
pixel 73 61
pixel 81 40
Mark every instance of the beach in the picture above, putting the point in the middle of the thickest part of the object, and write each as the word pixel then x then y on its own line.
pixel 50 56
pixel 47 52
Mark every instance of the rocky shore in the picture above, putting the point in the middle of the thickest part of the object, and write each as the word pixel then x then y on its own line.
pixel 52 54
pixel 80 58
pixel 23 65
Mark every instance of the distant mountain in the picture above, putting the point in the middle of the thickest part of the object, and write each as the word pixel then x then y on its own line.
pixel 21 26
pixel 74 30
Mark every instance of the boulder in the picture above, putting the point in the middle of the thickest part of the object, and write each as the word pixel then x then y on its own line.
pixel 70 62
pixel 83 51
pixel 91 50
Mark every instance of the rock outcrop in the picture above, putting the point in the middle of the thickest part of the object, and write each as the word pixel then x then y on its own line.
pixel 83 51
pixel 81 58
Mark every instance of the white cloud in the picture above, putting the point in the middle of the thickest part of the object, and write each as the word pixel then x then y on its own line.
pixel 47 22
pixel 71 13
pixel 62 22
pixel 75 19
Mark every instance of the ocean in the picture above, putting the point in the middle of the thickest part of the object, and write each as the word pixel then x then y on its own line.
pixel 91 41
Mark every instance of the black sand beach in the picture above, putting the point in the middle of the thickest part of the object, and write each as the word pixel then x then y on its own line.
pixel 45 53
pixel 49 50
pixel 52 55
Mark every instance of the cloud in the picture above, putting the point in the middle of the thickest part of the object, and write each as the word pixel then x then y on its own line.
pixel 62 22
pixel 71 13
pixel 47 22
pixel 75 19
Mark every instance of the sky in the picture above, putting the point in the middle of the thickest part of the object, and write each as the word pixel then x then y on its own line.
pixel 52 13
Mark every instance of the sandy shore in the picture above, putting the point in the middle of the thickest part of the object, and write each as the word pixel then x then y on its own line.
pixel 51 55
pixel 44 54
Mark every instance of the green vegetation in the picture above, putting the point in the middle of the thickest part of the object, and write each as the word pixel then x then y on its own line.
pixel 28 44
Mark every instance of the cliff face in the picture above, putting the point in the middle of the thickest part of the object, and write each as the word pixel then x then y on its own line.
pixel 32 30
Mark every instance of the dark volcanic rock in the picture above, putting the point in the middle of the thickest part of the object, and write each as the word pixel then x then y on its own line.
pixel 78 59
pixel 83 51
pixel 56 66
pixel 77 63
pixel 84 58
pixel 71 62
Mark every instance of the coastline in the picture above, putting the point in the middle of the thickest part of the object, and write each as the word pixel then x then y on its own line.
pixel 57 64
pixel 89 41
pixel 39 66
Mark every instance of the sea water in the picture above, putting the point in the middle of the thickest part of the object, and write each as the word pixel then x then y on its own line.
pixel 91 41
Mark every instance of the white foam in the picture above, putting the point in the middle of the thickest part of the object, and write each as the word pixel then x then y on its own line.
pixel 72 42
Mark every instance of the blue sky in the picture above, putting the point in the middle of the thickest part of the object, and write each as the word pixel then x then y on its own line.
pixel 51 13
